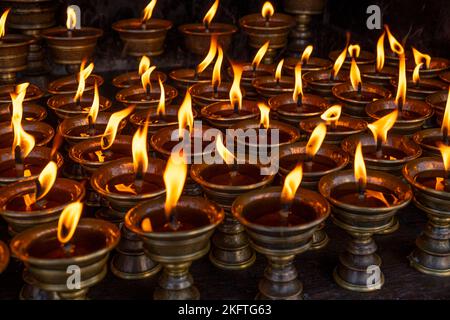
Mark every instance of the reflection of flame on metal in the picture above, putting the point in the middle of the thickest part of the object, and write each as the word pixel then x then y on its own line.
pixel 126 188
pixel 146 225
pixel 440 184
pixel 377 195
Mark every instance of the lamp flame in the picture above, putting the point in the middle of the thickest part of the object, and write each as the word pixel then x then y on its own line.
pixel 235 91
pixel 264 111
pixel 144 64
pixel 22 139
pixel 174 178
pixel 400 97
pixel 82 77
pixel 148 10
pixel 298 87
pixel 139 150
pixel 354 50
pixel 355 76
pixel 306 54
pixel 68 221
pixel 210 14
pixel 316 140
pixel 381 127
pixel 445 152
pixel 145 78
pixel 360 167
pixel 446 119
pixel 339 62
pixel 3 22
pixel 416 76
pixel 71 21
pixel 267 10
pixel 291 184
pixel 224 153
pixel 278 70
pixel 93 112
pixel 332 114
pixel 185 115
pixel 396 47
pixel 210 56
pixel 146 225
pixel 110 133
pixel 46 180
pixel 161 110
pixel 380 52
pixel 420 57
pixel 216 79
pixel 259 55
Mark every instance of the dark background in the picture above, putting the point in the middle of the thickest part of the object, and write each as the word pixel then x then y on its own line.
pixel 426 22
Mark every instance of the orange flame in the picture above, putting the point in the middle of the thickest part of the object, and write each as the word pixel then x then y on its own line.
pixel 396 47
pixel 3 22
pixel 145 78
pixel 110 133
pixel 210 56
pixel 360 167
pixel 419 57
pixel 174 178
pixel 17 101
pixel 416 76
pixel 354 50
pixel 316 139
pixel 298 87
pixel 401 89
pixel 82 77
pixel 71 21
pixel 146 225
pixel 306 54
pixel 224 153
pixel 380 52
pixel 68 221
pixel 278 70
pixel 265 111
pixel 161 110
pixel 445 153
pixel 355 75
pixel 332 114
pixel 216 79
pixel 235 91
pixel 144 64
pixel 381 127
pixel 148 10
pixel 291 184
pixel 339 62
pixel 185 115
pixel 22 139
pixel 46 180
pixel 139 150
pixel 210 14
pixel 267 10
pixel 445 128
pixel 93 112
pixel 260 54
